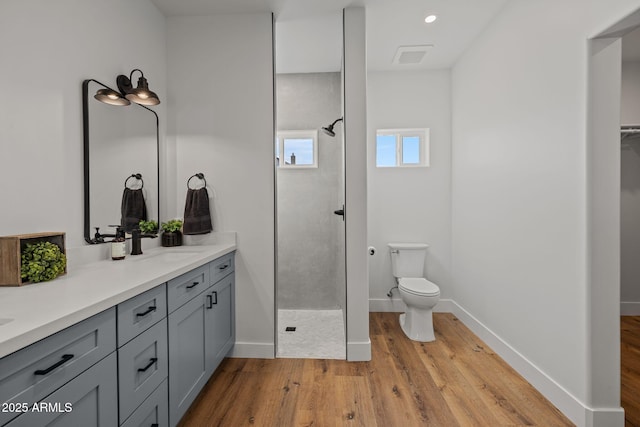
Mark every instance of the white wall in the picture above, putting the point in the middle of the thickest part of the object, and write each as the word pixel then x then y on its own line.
pixel 409 204
pixel 630 193
pixel 355 134
pixel 47 50
pixel 519 246
pixel 220 112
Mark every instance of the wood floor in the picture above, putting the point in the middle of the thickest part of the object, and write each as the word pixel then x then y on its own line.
pixel 455 381
pixel 630 369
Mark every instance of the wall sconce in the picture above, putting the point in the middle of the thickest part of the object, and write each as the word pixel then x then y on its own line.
pixel 140 95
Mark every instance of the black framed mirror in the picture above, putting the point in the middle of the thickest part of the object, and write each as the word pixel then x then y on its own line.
pixel 121 151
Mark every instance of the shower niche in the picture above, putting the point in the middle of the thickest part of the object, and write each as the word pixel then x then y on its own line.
pixel 309 169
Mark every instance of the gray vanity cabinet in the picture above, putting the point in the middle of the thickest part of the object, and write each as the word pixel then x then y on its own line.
pixel 89 400
pixel 143 357
pixel 141 363
pixel 187 357
pixel 220 320
pixel 201 333
pixel 45 370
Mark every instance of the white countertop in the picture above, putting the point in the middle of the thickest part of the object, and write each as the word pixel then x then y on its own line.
pixel 38 310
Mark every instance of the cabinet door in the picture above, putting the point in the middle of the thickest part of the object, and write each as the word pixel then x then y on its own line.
pixel 187 367
pixel 142 366
pixel 220 333
pixel 88 400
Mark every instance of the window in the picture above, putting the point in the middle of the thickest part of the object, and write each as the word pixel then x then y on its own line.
pixel 402 147
pixel 297 149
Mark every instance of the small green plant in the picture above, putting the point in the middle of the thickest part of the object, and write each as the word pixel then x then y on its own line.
pixel 148 227
pixel 172 225
pixel 42 261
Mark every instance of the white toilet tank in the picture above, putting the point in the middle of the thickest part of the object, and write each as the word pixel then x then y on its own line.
pixel 407 259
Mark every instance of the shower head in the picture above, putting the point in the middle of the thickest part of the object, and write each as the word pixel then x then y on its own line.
pixel 329 129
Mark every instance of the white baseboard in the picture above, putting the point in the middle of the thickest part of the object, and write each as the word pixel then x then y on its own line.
pixel 604 417
pixel 253 350
pixel 395 305
pixel 558 395
pixel 630 308
pixel 574 409
pixel 359 351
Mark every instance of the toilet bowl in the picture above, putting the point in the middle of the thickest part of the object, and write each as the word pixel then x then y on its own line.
pixel 419 294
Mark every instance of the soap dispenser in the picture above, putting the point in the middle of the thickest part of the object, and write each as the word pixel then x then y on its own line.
pixel 118 245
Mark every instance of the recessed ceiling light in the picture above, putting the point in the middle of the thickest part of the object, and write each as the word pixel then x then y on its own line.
pixel 431 18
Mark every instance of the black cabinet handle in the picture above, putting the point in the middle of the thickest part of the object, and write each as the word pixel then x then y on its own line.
pixel 193 285
pixel 65 358
pixel 150 364
pixel 224 267
pixel 209 302
pixel 215 294
pixel 149 310
pixel 155 425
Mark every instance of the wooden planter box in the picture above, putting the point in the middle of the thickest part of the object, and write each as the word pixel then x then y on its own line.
pixel 11 248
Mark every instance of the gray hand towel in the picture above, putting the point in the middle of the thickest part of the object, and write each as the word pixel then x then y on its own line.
pixel 133 208
pixel 197 218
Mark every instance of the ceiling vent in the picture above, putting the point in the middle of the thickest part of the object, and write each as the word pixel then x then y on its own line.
pixel 411 55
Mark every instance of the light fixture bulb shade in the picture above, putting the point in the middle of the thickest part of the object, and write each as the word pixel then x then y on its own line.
pixel 142 95
pixel 111 97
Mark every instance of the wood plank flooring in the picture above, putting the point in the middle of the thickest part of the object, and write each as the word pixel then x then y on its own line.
pixel 454 381
pixel 630 369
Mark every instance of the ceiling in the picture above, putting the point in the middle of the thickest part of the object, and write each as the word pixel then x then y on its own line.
pixel 308 36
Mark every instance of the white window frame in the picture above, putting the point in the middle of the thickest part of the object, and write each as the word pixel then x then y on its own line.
pixel 297 134
pixel 399 134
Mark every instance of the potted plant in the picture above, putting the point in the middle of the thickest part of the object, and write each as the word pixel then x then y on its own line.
pixel 42 261
pixel 171 234
pixel 148 227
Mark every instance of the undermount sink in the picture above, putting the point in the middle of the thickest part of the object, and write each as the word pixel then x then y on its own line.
pixel 5 321
pixel 167 256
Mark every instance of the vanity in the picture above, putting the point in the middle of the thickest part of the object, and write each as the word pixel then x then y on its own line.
pixel 117 343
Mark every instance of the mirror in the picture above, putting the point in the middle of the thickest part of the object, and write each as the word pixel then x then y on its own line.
pixel 121 145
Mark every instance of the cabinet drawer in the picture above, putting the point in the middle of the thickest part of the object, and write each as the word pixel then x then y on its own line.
pixel 139 313
pixel 183 288
pixel 221 267
pixel 89 400
pixel 153 411
pixel 34 372
pixel 142 366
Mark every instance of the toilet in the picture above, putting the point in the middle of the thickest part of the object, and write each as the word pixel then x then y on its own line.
pixel 419 294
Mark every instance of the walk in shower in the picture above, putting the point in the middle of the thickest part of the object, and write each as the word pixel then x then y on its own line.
pixel 309 165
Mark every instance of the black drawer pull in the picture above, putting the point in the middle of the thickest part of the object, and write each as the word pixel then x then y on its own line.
pixel 65 358
pixel 215 294
pixel 193 285
pixel 150 364
pixel 209 302
pixel 155 425
pixel 224 267
pixel 149 310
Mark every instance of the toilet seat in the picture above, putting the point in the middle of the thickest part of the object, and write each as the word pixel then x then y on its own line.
pixel 418 286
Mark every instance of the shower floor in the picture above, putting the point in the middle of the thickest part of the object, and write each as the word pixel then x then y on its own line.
pixel 319 334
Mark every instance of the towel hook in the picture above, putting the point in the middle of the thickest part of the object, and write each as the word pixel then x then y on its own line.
pixel 198 175
pixel 136 176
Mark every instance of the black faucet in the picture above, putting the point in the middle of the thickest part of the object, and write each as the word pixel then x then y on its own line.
pixel 136 240
pixel 99 238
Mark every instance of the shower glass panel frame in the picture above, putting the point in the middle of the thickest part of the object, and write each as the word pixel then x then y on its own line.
pixel 310 234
